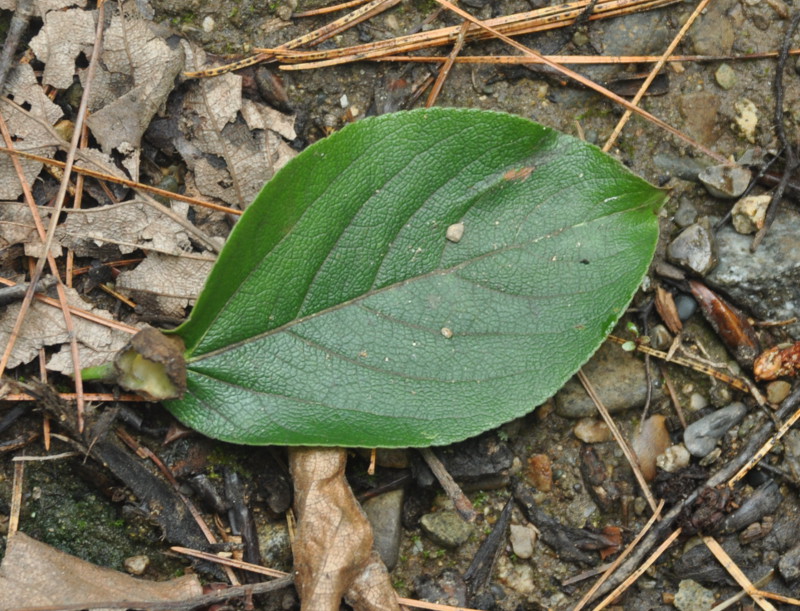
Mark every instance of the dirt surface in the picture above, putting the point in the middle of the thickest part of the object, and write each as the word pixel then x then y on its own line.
pixel 65 506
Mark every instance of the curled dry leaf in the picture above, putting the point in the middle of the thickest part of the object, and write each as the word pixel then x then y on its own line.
pixel 165 284
pixel 333 549
pixel 665 304
pixel 217 124
pixel 63 36
pixel 129 225
pixel 30 127
pixel 44 326
pixel 137 73
pixel 730 324
pixel 36 575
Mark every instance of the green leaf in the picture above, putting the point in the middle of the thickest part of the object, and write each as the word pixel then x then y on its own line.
pixel 339 313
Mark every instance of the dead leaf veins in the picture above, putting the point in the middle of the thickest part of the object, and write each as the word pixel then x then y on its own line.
pixel 333 555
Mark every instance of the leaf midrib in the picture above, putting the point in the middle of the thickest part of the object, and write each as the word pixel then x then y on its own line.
pixel 371 292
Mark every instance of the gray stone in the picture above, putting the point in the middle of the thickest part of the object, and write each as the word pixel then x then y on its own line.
pixel 686 214
pixel 619 378
pixel 521 538
pixel 694 248
pixel 713 33
pixel 765 283
pixel 384 514
pixel 691 596
pixel 685 168
pixel 725 181
pixel 446 528
pixel 789 565
pixel 726 77
pixel 701 436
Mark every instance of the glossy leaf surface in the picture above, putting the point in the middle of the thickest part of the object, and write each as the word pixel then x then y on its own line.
pixel 339 313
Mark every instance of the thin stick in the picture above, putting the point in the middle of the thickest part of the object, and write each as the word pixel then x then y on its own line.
pixel 16 498
pixel 546 18
pixel 613 566
pixel 653 73
pixel 123 181
pixel 737 383
pixel 740 595
pixel 71 396
pixel 589 83
pixel 578 59
pixel 726 561
pixel 451 488
pixel 638 572
pixel 726 471
pixel 445 69
pixel 328 9
pixel 765 449
pixel 111 324
pixel 626 449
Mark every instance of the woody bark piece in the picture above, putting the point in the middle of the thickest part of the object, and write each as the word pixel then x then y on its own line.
pixel 332 550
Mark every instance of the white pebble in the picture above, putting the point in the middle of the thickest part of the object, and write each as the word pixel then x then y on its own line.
pixel 673 459
pixel 455 232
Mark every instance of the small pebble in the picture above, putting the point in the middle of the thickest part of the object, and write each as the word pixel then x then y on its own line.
pixel 694 248
pixel 540 472
pixel 136 565
pixel 208 24
pixel 697 402
pixel 686 214
pixel 446 528
pixel 673 459
pixel 725 181
pixel 660 338
pixel 726 77
pixel 522 539
pixel 789 565
pixel 592 430
pixel 746 118
pixel 686 306
pixel 650 440
pixel 701 436
pixel 711 457
pixel 691 596
pixel 777 391
pixel 749 212
pixel 455 232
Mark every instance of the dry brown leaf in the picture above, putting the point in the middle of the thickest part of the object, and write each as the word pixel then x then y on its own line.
pixel 33 574
pixel 137 73
pixel 16 224
pixel 44 6
pixel 62 38
pixel 23 89
pixel 44 326
pixel 130 225
pixel 165 284
pixel 231 159
pixel 333 548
